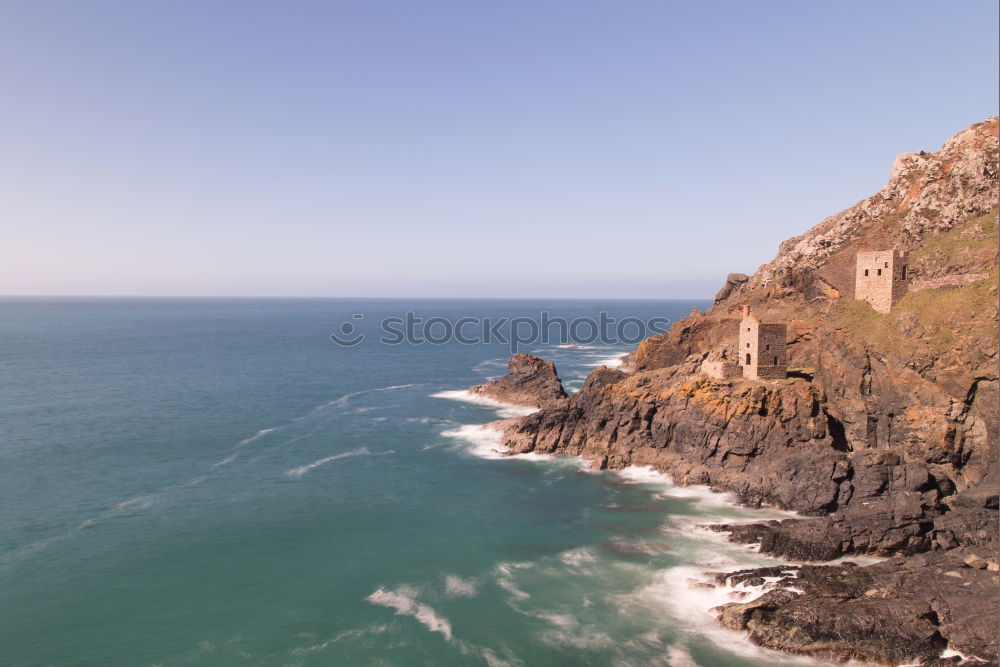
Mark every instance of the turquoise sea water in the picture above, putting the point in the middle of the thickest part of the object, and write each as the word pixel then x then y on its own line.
pixel 213 482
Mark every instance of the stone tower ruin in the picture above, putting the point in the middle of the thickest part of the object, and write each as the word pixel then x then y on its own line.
pixel 762 348
pixel 880 278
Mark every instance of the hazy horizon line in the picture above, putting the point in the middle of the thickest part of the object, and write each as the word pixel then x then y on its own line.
pixel 351 298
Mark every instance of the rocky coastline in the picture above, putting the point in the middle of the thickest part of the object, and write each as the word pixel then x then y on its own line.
pixel 882 436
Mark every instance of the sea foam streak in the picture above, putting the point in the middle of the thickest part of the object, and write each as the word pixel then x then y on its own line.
pixel 503 409
pixel 362 451
pixel 301 470
pixel 341 401
pixel 404 601
pixel 347 397
pixel 146 501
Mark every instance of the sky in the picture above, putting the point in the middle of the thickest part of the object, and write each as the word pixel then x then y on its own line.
pixel 462 148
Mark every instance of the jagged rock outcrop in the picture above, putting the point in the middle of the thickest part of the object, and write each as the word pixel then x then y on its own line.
pixel 530 381
pixel 734 282
pixel 898 611
pixel 884 436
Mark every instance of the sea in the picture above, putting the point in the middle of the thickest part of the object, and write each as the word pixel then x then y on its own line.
pixel 217 482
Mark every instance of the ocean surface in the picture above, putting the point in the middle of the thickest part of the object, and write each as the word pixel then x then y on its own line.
pixel 214 482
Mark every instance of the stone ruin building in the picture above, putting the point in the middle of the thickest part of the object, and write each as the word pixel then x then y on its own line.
pixel 759 355
pixel 880 278
pixel 762 348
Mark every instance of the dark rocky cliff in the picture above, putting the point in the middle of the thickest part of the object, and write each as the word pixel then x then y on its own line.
pixel 884 435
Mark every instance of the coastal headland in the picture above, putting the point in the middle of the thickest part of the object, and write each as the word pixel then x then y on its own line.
pixel 881 431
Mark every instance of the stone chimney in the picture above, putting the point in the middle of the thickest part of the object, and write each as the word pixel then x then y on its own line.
pixel 746 310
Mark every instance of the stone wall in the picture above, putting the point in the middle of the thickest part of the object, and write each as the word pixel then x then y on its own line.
pixel 900 275
pixel 721 369
pixel 772 372
pixel 771 341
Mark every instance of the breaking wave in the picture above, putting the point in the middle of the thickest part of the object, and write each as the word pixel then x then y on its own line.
pixel 487 443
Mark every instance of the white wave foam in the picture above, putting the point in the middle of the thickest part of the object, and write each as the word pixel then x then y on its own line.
pixel 678 656
pixel 492 660
pixel 503 409
pixel 686 594
pixel 301 470
pixel 714 506
pixel 487 443
pixel 457 587
pixel 952 653
pixel 505 580
pixel 486 440
pixel 404 601
pixel 611 362
pixel 643 475
pixel 577 557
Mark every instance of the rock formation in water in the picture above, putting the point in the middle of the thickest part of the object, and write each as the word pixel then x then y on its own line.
pixel 883 436
pixel 530 381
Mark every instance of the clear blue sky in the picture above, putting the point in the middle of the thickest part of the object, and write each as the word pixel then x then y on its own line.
pixel 620 148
